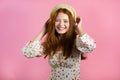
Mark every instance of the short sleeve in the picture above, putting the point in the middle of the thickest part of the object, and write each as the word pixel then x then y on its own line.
pixel 85 43
pixel 33 49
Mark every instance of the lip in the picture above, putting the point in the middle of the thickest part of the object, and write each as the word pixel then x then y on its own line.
pixel 61 28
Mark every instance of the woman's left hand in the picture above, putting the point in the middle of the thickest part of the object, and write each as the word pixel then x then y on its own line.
pixel 78 25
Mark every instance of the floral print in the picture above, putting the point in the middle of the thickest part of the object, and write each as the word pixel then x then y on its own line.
pixel 33 49
pixel 65 69
pixel 85 43
pixel 61 68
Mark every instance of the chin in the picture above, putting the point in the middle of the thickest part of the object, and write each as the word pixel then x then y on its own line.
pixel 61 32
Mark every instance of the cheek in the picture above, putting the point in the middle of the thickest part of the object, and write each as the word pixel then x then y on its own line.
pixel 56 24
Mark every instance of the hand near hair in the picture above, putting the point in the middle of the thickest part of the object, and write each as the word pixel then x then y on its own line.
pixel 43 31
pixel 78 25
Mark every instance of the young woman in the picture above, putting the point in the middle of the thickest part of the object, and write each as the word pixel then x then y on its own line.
pixel 65 45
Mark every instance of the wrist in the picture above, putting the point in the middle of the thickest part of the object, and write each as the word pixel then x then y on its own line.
pixel 80 31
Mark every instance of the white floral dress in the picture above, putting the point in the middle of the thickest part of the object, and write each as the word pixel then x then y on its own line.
pixel 61 68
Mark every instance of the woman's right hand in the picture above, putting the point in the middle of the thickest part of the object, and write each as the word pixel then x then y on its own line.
pixel 43 31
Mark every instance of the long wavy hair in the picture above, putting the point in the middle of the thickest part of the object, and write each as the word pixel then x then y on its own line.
pixel 55 41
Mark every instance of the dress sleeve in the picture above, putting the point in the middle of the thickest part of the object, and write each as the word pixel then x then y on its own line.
pixel 33 49
pixel 85 43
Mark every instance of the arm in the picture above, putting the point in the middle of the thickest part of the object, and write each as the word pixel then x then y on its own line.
pixel 79 29
pixel 84 42
pixel 40 34
pixel 34 48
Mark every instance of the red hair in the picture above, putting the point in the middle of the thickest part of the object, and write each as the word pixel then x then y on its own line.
pixel 53 41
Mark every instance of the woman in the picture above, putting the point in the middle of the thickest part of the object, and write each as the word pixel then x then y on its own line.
pixel 65 45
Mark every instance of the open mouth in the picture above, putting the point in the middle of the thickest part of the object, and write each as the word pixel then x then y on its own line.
pixel 60 28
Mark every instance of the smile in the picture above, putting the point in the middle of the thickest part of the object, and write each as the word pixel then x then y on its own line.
pixel 60 28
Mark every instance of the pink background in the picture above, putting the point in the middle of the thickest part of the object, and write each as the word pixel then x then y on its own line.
pixel 21 20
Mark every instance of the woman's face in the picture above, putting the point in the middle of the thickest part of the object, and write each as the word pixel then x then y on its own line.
pixel 62 23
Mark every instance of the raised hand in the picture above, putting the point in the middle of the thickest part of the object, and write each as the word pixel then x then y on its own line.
pixel 43 31
pixel 78 25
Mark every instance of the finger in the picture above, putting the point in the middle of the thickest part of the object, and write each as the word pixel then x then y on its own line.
pixel 78 19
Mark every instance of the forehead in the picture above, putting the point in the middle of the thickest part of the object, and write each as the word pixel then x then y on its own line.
pixel 62 15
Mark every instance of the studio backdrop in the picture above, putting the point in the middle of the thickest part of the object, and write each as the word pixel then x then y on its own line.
pixel 21 21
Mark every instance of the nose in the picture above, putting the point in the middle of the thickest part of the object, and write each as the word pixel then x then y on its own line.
pixel 61 23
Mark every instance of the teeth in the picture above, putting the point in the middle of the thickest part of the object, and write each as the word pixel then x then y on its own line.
pixel 61 28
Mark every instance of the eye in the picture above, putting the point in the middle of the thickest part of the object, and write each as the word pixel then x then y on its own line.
pixel 65 21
